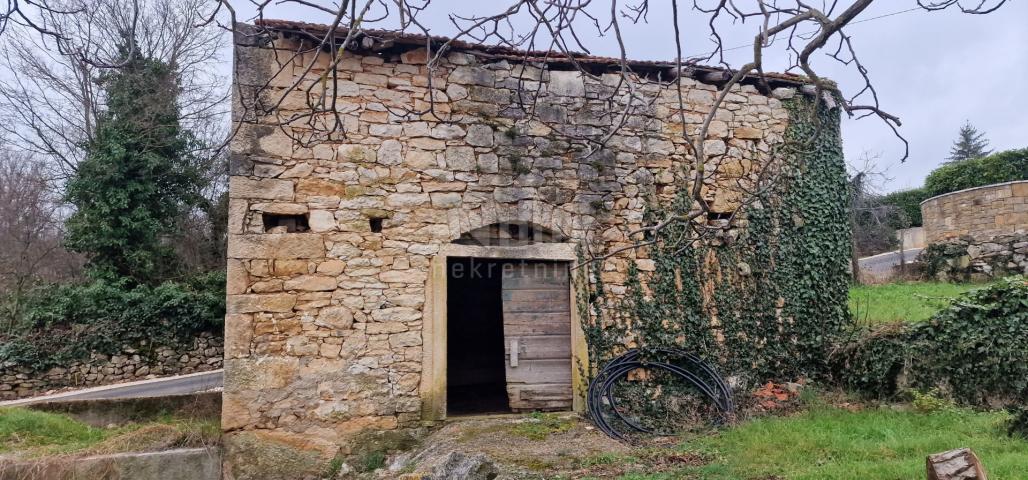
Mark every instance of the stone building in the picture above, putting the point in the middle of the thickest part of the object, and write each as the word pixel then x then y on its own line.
pixel 346 256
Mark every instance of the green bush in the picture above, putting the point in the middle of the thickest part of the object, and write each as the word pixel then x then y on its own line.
pixel 978 347
pixel 62 323
pixel 872 362
pixel 1001 167
pixel 930 401
pixel 1018 424
pixel 975 351
pixel 908 202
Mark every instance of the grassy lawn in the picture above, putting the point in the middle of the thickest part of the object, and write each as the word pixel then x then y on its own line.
pixel 827 443
pixel 22 429
pixel 26 434
pixel 910 302
pixel 830 443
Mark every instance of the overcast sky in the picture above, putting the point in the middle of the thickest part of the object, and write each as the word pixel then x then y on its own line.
pixel 934 70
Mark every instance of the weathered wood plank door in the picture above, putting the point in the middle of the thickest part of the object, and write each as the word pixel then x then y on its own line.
pixel 537 335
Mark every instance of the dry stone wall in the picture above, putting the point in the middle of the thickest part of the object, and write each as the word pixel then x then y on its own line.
pixel 966 258
pixel 978 233
pixel 206 353
pixel 324 327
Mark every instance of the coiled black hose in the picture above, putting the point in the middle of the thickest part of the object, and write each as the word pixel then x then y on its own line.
pixel 693 370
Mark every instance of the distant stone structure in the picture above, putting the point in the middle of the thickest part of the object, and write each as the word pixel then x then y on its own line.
pixel 977 233
pixel 980 213
pixel 342 255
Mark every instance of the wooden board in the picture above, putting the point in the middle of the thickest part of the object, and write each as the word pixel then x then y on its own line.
pixel 537 318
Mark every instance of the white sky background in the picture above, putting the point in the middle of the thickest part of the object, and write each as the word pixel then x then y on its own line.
pixel 933 69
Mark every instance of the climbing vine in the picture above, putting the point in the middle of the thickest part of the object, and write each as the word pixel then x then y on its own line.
pixel 764 305
pixel 974 352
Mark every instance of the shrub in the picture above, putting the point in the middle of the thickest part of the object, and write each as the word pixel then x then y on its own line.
pixel 1018 424
pixel 372 461
pixel 978 347
pixel 909 203
pixel 66 322
pixel 975 351
pixel 930 401
pixel 872 362
pixel 996 168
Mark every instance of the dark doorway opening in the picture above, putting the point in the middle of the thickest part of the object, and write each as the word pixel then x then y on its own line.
pixel 476 380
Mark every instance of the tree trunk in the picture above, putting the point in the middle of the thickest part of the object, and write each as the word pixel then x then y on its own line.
pixel 960 464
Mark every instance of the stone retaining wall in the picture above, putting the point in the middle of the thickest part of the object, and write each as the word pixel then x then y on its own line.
pixel 981 213
pixel 967 258
pixel 206 353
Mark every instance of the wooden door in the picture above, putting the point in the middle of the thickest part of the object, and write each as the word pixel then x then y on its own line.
pixel 537 335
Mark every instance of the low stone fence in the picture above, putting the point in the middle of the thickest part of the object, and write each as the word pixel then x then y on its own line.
pixel 966 258
pixel 133 363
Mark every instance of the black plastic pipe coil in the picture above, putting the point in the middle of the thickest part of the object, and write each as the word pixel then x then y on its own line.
pixel 690 368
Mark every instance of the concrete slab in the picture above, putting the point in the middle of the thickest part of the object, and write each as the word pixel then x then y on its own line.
pixel 182 464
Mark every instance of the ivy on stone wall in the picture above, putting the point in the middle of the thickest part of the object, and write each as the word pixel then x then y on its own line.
pixel 765 305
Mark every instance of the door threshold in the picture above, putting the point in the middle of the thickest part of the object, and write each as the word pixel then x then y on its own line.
pixel 494 415
pixel 480 416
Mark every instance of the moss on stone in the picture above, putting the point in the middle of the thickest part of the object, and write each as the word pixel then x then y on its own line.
pixel 250 456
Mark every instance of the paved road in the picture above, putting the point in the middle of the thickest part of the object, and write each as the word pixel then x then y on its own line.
pixel 157 387
pixel 883 263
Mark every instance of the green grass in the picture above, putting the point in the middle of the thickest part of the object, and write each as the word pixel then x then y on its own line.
pixel 26 429
pixel 907 302
pixel 539 426
pixel 828 443
pixel 29 434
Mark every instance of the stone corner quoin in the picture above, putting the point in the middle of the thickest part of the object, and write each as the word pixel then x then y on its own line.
pixel 324 332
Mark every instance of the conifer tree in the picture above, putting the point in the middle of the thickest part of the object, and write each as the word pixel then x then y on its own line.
pixel 969 144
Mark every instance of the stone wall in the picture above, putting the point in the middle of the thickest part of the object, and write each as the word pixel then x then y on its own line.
pixel 324 327
pixel 970 259
pixel 206 353
pixel 980 213
pixel 911 238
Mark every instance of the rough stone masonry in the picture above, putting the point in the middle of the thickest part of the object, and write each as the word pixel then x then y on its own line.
pixel 324 332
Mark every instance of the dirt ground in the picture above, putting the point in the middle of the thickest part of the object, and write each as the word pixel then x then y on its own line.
pixel 542 446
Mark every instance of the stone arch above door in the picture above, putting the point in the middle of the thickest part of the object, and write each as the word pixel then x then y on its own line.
pixel 561 223
pixel 510 234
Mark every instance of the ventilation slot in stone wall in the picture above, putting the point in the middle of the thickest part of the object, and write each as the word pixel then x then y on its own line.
pixel 719 216
pixel 375 224
pixel 285 223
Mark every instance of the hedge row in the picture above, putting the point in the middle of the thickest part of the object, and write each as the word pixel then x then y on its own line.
pixel 1001 167
pixel 63 323
pixel 1007 166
